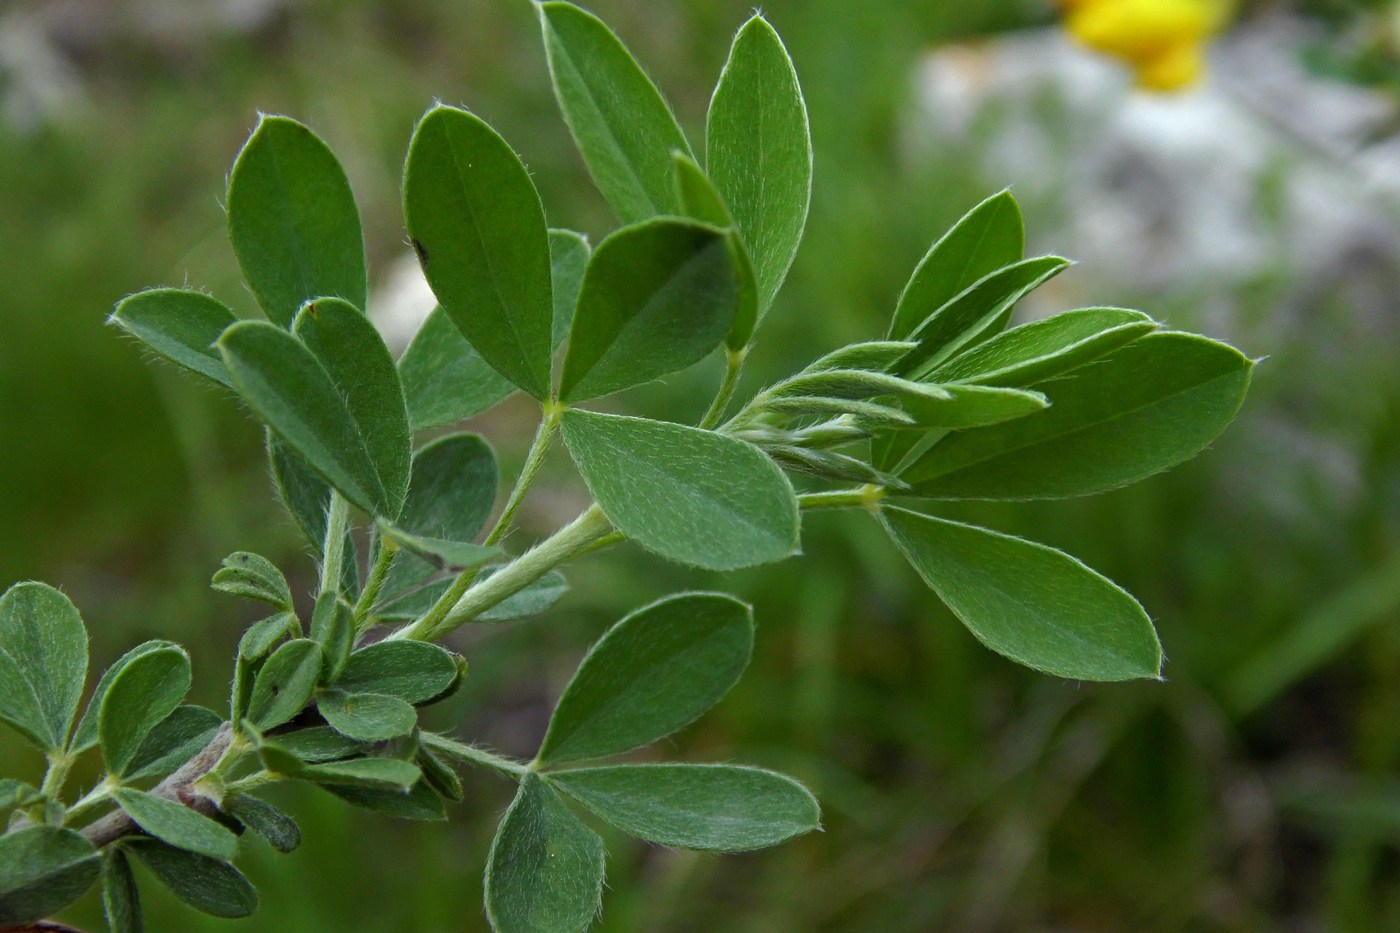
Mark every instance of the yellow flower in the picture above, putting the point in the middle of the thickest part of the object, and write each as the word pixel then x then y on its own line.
pixel 1164 40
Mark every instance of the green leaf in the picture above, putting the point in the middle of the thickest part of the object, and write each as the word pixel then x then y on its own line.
pixel 176 824
pixel 292 221
pixel 1046 348
pixel 279 829
pixel 701 200
pixel 368 717
pixel 531 601
pixel 180 325
pixel 1146 407
pixel 362 370
pixel 15 794
pixel 725 808
pixel 42 870
pixel 656 670
pixel 871 414
pixel 875 355
pixel 333 628
pixel 444 378
pixel 413 671
pixel 545 870
pixel 692 496
pixel 656 297
pixel 121 902
pixel 759 152
pixel 976 313
pixel 989 237
pixel 42 631
pixel 440 552
pixel 19 704
pixel 439 775
pixel 971 406
pixel 568 258
pixel 319 743
pixel 854 384
pixel 419 802
pixel 260 637
pixel 253 576
pixel 285 683
pixel 1034 604
pixel 291 391
pixel 829 464
pixel 619 120
pixel 364 772
pixel 206 884
pixel 85 736
pixel 478 225
pixel 147 689
pixel 173 741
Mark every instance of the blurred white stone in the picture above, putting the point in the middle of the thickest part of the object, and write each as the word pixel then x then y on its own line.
pixel 400 302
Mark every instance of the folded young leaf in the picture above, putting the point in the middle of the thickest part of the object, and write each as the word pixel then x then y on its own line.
pixel 621 125
pixel 656 670
pixel 121 901
pixel 874 355
pixel 333 628
pixel 285 683
pixel 976 313
pixel 972 406
pixel 366 717
pixel 41 631
pixel 693 496
pixel 440 552
pixel 293 394
pixel 15 794
pixel 418 802
pixel 180 325
pixel 478 226
pixel 273 825
pixel 439 775
pixel 989 237
pixel 42 870
pixel 854 384
pixel 292 221
pixel 362 370
pixel 253 576
pixel 723 808
pixel 873 414
pixel 1046 348
pixel 208 885
pixel 656 297
pixel 262 636
pixel 144 692
pixel 830 465
pixel 702 201
pixel 85 736
pixel 173 741
pixel 176 824
pixel 1037 606
pixel 759 152
pixel 545 870
pixel 1144 408
pixel 413 671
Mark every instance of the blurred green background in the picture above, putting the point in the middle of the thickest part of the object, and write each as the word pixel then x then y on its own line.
pixel 1256 789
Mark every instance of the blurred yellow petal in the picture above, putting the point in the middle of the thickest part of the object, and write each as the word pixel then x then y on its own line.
pixel 1139 30
pixel 1178 67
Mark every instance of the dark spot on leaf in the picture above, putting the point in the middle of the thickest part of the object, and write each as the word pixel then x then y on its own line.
pixel 422 252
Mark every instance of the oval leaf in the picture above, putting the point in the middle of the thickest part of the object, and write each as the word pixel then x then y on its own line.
pixel 206 884
pixel 413 671
pixel 85 736
pixel 692 496
pixel 176 824
pixel 990 236
pixel 121 902
pixel 478 225
pixel 362 369
pixel 181 325
pixel 656 670
pixel 279 829
pixel 619 120
pixel 366 717
pixel 545 870
pixel 253 576
pixel 1034 604
pixel 418 802
pixel 173 741
pixel 145 691
pixel 42 631
pixel 656 297
pixel 1150 405
pixel 723 808
pixel 42 870
pixel 292 221
pixel 285 683
pixel 291 391
pixel 1046 348
pixel 701 200
pixel 759 152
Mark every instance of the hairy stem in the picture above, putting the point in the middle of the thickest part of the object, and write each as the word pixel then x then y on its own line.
pixel 472 754
pixel 733 366
pixel 337 524
pixel 862 497
pixel 577 537
pixel 377 575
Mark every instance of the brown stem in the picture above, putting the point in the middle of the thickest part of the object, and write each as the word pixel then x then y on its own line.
pixel 117 824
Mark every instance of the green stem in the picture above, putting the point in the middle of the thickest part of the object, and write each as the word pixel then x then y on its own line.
pixel 472 754
pixel 92 799
pixel 377 575
pixel 733 366
pixel 533 460
pixel 255 780
pixel 576 538
pixel 56 775
pixel 862 497
pixel 337 524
